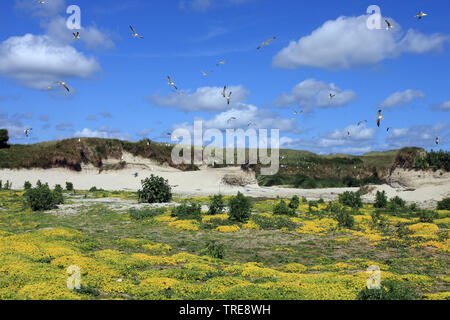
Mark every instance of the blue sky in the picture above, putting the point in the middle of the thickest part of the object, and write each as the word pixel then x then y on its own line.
pixel 119 84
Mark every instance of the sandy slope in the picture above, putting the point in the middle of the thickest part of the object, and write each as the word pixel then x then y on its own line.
pixel 207 181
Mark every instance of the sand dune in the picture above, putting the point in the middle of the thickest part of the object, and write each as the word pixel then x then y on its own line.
pixel 208 181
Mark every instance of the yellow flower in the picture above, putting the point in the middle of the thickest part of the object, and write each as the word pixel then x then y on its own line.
pixel 228 229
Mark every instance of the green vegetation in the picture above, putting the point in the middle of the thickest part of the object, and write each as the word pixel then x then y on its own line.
pixel 380 200
pixel 390 290
pixel 188 210
pixel 240 208
pixel 351 199
pixel 294 203
pixel 145 213
pixel 215 250
pixel 344 218
pixel 69 186
pixel 4 138
pixel 27 185
pixel 444 204
pixel 283 209
pixel 216 205
pixel 154 190
pixel 42 198
pixel 434 160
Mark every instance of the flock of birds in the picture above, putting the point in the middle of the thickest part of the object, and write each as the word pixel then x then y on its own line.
pixel 227 95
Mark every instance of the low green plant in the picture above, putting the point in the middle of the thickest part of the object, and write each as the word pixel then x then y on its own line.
pixel 41 198
pixel 444 204
pixel 69 186
pixel 27 185
pixel 154 190
pixel 390 290
pixel 283 209
pixel 188 210
pixel 351 199
pixel 273 223
pixel 344 218
pixel 216 205
pixel 380 200
pixel 240 208
pixel 215 250
pixel 294 203
pixel 427 216
pixel 145 213
pixel 58 194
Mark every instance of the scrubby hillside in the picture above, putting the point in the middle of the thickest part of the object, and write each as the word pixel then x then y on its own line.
pixel 72 154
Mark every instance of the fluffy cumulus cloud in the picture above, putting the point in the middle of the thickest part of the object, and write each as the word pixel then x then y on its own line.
pixel 401 99
pixel 420 136
pixel 38 61
pixel 347 42
pixel 203 99
pixel 102 132
pixel 311 94
pixel 14 124
pixel 444 106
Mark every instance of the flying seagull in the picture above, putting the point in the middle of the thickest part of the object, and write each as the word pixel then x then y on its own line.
pixel 388 128
pixel 389 25
pixel 251 124
pixel 231 119
pixel 205 74
pixel 221 62
pixel 62 83
pixel 361 122
pixel 76 35
pixel 27 131
pixel 332 96
pixel 229 97
pixel 135 35
pixel 224 92
pixel 173 136
pixel 379 118
pixel 420 15
pixel 266 43
pixel 171 83
pixel 348 133
pixel 42 2
pixel 437 140
pixel 297 113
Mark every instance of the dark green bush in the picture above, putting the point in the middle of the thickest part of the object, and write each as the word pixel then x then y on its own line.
pixel 381 200
pixel 240 208
pixel 390 290
pixel 155 190
pixel 41 198
pixel 344 218
pixel 215 250
pixel 294 203
pixel 27 185
pixel 396 205
pixel 283 209
pixel 351 199
pixel 188 210
pixel 4 137
pixel 427 216
pixel 145 213
pixel 58 194
pixel 216 205
pixel 69 186
pixel 444 204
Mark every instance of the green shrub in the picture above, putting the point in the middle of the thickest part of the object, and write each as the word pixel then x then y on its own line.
pixel 240 208
pixel 58 194
pixel 7 185
pixel 390 290
pixel 4 137
pixel 94 189
pixel 41 198
pixel 321 201
pixel 427 216
pixel 154 190
pixel 273 223
pixel 344 219
pixel 216 205
pixel 188 210
pixel 378 220
pixel 69 186
pixel 283 209
pixel 145 213
pixel 294 203
pixel 444 204
pixel 351 199
pixel 27 185
pixel 215 250
pixel 381 200
pixel 396 203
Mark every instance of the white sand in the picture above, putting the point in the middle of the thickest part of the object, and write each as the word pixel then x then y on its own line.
pixel 207 181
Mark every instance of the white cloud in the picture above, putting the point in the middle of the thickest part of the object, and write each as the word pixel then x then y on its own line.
pixel 203 99
pixel 311 93
pixel 102 132
pixel 419 136
pixel 444 107
pixel 38 62
pixel 49 9
pixel 347 42
pixel 401 99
